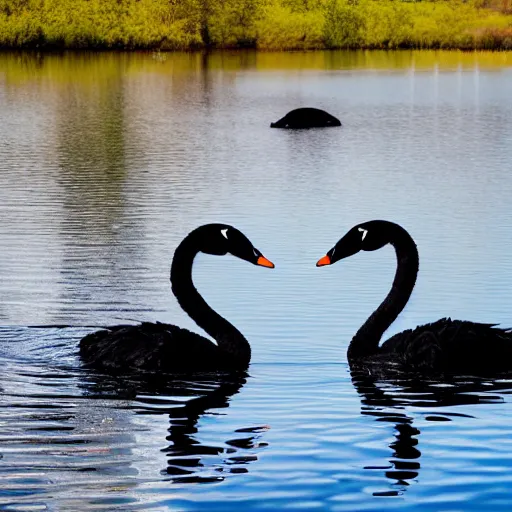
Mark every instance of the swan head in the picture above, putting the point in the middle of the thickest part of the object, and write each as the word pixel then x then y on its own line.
pixel 368 236
pixel 221 239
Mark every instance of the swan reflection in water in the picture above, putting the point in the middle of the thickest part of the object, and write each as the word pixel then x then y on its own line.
pixel 386 396
pixel 185 401
pixel 87 438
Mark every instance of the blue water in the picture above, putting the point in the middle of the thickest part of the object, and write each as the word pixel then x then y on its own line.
pixel 108 161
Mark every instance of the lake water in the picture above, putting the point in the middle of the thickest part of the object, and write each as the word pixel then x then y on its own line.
pixel 108 160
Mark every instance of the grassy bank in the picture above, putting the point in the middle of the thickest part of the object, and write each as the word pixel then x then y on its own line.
pixel 263 24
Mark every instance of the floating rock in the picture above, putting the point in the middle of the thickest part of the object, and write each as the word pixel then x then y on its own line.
pixel 306 118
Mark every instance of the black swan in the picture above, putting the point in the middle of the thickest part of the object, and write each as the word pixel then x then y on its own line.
pixel 306 118
pixel 165 347
pixel 446 345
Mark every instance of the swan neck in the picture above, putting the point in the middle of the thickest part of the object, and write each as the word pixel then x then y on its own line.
pixel 366 341
pixel 229 339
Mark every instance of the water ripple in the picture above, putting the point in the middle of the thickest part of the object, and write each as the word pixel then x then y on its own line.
pixel 107 161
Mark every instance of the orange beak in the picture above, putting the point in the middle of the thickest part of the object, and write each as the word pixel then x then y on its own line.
pixel 323 261
pixel 263 262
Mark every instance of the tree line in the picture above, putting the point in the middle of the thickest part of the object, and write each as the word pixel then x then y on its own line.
pixel 261 24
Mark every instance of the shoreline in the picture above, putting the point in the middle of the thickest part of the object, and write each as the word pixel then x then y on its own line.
pixel 54 50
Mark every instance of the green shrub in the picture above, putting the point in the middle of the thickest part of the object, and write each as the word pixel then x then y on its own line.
pixel 344 24
pixel 281 29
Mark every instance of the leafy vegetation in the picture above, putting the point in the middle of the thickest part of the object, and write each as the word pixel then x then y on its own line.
pixel 263 24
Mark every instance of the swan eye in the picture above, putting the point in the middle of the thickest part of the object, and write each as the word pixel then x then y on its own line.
pixel 224 233
pixel 364 231
pixel 256 253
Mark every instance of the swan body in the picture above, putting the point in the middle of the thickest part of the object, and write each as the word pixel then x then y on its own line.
pixel 306 118
pixel 452 345
pixel 156 346
pixel 165 347
pixel 445 345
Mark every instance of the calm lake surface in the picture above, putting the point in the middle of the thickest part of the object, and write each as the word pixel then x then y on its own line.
pixel 107 161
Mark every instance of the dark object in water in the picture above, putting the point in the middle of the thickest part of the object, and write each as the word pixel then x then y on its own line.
pixel 306 118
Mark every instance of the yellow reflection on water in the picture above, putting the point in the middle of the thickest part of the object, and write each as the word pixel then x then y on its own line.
pixel 88 68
